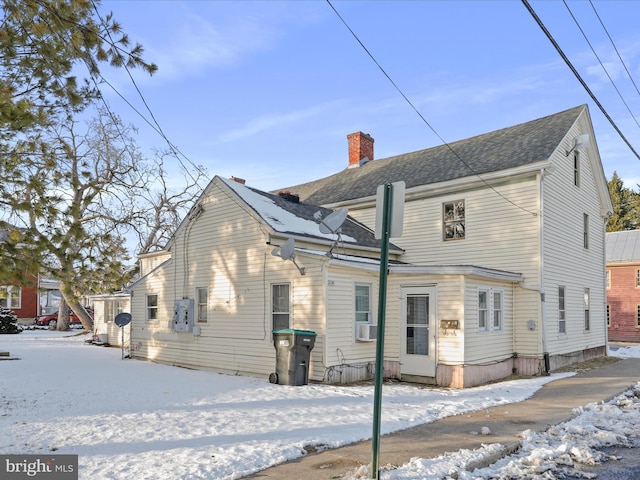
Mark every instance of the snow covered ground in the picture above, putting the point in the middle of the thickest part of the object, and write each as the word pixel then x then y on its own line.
pixel 131 419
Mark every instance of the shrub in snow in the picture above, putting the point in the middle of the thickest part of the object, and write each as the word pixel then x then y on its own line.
pixel 8 322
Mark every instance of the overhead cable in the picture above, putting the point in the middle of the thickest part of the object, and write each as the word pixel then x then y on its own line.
pixel 577 75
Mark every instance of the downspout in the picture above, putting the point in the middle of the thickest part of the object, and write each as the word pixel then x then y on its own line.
pixel 604 283
pixel 540 289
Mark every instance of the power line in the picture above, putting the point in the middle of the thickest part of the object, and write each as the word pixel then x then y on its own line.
pixel 422 117
pixel 157 127
pixel 614 46
pixel 600 61
pixel 577 75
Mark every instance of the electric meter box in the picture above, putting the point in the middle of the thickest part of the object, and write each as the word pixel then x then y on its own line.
pixel 183 315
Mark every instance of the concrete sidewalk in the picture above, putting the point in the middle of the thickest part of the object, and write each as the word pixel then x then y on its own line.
pixel 551 405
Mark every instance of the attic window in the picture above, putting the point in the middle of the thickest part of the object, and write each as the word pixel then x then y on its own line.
pixel 453 220
pixel 576 168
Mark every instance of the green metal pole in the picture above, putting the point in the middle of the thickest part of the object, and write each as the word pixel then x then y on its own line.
pixel 382 307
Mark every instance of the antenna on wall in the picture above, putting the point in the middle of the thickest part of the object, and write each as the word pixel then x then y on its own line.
pixel 332 224
pixel 288 252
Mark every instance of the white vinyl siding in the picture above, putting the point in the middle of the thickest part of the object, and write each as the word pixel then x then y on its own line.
pixel 227 249
pixel 566 261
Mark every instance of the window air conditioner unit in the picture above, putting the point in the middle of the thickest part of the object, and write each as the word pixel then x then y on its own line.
pixel 367 333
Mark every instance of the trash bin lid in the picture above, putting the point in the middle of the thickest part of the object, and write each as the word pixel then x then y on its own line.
pixel 295 332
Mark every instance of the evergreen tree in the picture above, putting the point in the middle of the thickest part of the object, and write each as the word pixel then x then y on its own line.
pixel 61 188
pixel 626 206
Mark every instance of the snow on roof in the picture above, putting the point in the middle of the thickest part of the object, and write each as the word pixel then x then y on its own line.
pixel 279 218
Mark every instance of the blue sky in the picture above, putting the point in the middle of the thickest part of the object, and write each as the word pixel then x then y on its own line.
pixel 268 91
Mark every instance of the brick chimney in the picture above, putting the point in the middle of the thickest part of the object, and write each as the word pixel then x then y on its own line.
pixel 239 180
pixel 360 147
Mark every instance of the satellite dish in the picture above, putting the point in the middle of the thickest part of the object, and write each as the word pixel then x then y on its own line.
pixel 288 252
pixel 123 319
pixel 333 222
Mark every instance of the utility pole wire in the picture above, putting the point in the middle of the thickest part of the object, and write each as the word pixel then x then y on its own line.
pixel 575 72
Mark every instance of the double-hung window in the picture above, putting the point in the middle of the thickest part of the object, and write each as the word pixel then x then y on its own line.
pixel 112 308
pixel 490 309
pixel 576 168
pixel 202 297
pixel 585 230
pixel 587 319
pixel 638 278
pixel 562 319
pixel 453 220
pixel 10 297
pixel 152 307
pixel 638 315
pixel 280 305
pixel 363 303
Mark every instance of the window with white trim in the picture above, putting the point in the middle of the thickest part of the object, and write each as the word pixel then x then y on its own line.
pixel 576 168
pixel 490 309
pixel 113 308
pixel 609 279
pixel 202 298
pixel 483 310
pixel 585 230
pixel 562 319
pixel 10 297
pixel 363 303
pixel 497 307
pixel 453 221
pixel 280 305
pixel 587 301
pixel 152 307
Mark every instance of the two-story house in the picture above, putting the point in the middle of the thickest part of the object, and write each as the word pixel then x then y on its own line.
pixel 500 267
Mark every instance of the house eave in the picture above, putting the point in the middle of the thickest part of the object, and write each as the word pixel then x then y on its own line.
pixel 470 181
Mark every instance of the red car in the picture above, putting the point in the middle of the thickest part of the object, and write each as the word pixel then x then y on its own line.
pixel 52 319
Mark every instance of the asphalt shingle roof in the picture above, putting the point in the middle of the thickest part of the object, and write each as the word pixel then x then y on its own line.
pixel 510 147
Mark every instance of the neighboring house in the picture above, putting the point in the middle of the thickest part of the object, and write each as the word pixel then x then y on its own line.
pixel 105 309
pixel 21 299
pixel 500 268
pixel 623 285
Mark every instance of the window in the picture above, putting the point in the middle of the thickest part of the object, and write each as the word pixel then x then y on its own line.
pixel 576 168
pixel 483 309
pixel 638 278
pixel 112 308
pixel 453 220
pixel 202 297
pixel 363 303
pixel 587 320
pixel 609 279
pixel 10 297
pixel 585 230
pixel 608 316
pixel 638 315
pixel 152 307
pixel 280 305
pixel 490 309
pixel 497 310
pixel 562 320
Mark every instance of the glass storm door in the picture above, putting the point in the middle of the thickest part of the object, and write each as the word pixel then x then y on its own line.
pixel 417 349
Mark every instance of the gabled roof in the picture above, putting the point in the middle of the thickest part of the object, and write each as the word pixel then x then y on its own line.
pixel 516 146
pixel 297 219
pixel 623 247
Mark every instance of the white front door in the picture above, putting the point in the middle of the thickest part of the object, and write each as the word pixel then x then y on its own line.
pixel 418 332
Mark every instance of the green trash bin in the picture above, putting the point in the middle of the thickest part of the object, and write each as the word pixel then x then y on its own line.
pixel 293 351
